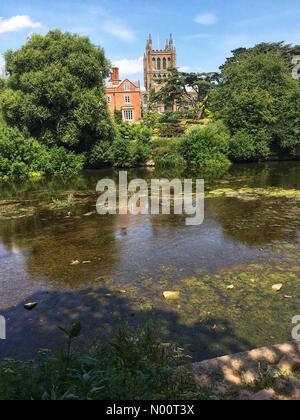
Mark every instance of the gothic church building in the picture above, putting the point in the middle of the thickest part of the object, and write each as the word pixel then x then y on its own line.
pixel 156 66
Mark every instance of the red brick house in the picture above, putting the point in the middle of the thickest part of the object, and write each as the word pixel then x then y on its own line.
pixel 124 96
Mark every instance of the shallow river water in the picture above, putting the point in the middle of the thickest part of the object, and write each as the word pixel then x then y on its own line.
pixel 250 240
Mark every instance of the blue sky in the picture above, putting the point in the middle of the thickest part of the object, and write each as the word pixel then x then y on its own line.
pixel 205 31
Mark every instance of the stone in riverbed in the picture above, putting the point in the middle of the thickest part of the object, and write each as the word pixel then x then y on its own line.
pixel 30 306
pixel 171 295
pixel 91 213
pixel 76 262
pixel 277 287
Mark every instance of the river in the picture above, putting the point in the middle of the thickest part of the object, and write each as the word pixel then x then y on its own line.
pixel 249 240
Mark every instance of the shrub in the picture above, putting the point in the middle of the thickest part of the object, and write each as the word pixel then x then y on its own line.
pixel 126 131
pixel 140 152
pixel 18 156
pixel 21 156
pixel 170 117
pixel 2 84
pixel 207 146
pixel 189 114
pixel 62 161
pixel 128 154
pixel 152 119
pixel 139 132
pixel 169 143
pixel 122 155
pixel 135 365
pixel 245 146
pixel 118 116
pixel 165 152
pixel 101 154
pixel 143 133
pixel 171 130
pixel 169 160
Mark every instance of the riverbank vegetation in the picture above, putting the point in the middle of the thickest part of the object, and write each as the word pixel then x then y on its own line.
pixel 135 365
pixel 23 157
pixel 54 116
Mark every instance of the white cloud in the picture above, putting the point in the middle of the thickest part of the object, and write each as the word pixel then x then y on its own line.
pixel 207 19
pixel 17 23
pixel 130 67
pixel 184 69
pixel 119 31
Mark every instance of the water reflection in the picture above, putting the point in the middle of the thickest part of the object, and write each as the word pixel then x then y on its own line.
pixel 140 257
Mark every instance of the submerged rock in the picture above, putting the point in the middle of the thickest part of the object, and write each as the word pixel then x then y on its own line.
pixel 76 262
pixel 30 306
pixel 277 287
pixel 171 295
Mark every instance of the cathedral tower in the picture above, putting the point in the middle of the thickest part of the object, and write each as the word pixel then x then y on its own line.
pixel 157 63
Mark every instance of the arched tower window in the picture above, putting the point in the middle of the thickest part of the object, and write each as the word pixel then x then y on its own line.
pixel 165 64
pixel 159 64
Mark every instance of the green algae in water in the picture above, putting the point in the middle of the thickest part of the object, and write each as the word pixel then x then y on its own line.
pixel 255 193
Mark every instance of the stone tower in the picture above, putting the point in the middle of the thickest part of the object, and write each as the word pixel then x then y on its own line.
pixel 157 64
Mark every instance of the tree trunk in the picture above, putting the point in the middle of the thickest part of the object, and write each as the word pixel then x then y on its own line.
pixel 204 107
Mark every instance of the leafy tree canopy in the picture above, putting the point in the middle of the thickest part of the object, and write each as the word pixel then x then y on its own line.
pixel 188 90
pixel 56 91
pixel 258 100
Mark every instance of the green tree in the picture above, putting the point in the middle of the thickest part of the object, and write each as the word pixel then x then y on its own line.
pixel 2 84
pixel 188 90
pixel 56 91
pixel 259 102
pixel 206 147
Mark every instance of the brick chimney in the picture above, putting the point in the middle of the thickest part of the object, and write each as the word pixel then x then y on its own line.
pixel 115 76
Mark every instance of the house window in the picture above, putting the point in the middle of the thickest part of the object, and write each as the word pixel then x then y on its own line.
pixel 127 99
pixel 128 114
pixel 158 64
pixel 127 87
pixel 109 99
